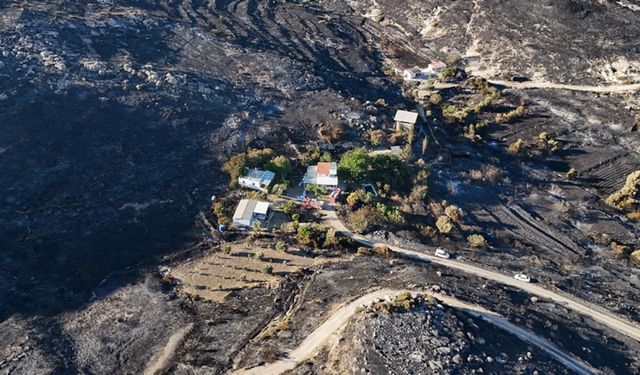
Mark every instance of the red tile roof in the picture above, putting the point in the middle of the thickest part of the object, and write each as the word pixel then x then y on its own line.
pixel 324 168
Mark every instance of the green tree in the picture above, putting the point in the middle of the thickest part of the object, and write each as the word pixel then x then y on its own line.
pixel 235 167
pixel 354 165
pixel 281 166
pixel 304 234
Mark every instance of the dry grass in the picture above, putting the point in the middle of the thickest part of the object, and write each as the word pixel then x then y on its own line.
pixel 214 276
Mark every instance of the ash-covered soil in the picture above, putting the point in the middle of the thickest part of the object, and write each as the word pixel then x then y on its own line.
pixel 116 115
pixel 567 41
pixel 330 286
pixel 432 340
pixel 115 118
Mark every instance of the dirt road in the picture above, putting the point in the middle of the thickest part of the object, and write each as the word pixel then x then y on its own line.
pixel 605 318
pixel 340 317
pixel 550 85
pixel 605 89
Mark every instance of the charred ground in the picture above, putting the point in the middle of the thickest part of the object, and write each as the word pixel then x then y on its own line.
pixel 116 117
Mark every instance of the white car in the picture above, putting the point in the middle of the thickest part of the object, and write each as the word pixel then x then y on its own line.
pixel 522 277
pixel 442 253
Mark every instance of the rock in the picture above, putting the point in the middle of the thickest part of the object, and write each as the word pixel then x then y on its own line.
pixel 381 102
pixel 3 97
pixel 534 299
pixel 443 350
pixel 377 15
pixel 489 359
pixel 529 355
pixel 170 79
pixel 457 359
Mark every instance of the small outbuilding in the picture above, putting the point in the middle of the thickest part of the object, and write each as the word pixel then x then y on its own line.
pixel 405 120
pixel 436 66
pixel 323 174
pixel 249 211
pixel 257 179
pixel 412 73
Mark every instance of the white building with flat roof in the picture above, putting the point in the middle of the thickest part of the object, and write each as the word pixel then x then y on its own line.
pixel 249 211
pixel 257 179
pixel 405 119
pixel 323 174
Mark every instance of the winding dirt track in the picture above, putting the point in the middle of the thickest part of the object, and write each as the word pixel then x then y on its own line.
pixel 561 86
pixel 606 318
pixel 606 89
pixel 340 317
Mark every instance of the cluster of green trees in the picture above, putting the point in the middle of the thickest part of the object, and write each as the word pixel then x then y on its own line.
pixel 265 158
pixel 357 166
pixel 316 236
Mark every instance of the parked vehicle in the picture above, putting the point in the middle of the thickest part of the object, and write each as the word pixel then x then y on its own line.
pixel 522 277
pixel 442 253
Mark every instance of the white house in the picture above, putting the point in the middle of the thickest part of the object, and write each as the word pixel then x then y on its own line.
pixel 257 179
pixel 412 73
pixel 324 174
pixel 423 74
pixel 436 66
pixel 405 119
pixel 249 211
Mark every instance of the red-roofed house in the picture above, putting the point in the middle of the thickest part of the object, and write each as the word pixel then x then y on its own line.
pixel 324 174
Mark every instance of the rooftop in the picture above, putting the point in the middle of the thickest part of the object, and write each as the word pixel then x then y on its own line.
pixel 260 175
pixel 406 116
pixel 327 168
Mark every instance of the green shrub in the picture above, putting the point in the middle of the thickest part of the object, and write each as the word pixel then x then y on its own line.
pixel 304 235
pixel 267 268
pixel 223 209
pixel 635 257
pixel 454 213
pixel 447 73
pixel 317 191
pixel 376 137
pixel 627 196
pixel 311 156
pixel 477 241
pixel 359 196
pixel 502 118
pixel 288 207
pixel 453 113
pixel 444 224
pixel 516 146
pixel 363 219
pixel 281 246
